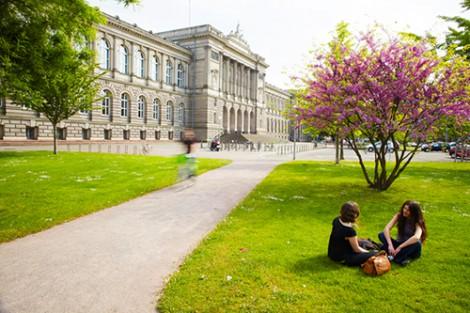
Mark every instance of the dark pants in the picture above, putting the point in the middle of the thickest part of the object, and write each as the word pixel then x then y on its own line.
pixel 411 252
pixel 356 259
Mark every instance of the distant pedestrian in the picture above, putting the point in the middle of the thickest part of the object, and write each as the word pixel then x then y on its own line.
pixel 189 138
pixel 187 161
pixel 344 245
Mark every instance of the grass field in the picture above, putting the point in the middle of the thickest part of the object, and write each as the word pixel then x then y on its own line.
pixel 269 254
pixel 39 189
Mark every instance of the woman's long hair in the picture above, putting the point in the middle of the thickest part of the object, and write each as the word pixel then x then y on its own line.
pixel 416 217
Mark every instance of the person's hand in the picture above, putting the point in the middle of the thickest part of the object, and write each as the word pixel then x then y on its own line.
pixel 391 250
pixel 397 250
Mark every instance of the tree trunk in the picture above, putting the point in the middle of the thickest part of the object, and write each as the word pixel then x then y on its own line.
pixel 341 151
pixel 54 131
pixel 336 150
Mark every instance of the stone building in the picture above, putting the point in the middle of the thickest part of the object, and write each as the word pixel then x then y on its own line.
pixel 156 84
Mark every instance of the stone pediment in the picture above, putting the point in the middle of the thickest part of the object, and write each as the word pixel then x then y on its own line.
pixel 236 39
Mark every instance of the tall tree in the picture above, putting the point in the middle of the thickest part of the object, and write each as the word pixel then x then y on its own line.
pixel 46 60
pixel 459 37
pixel 386 91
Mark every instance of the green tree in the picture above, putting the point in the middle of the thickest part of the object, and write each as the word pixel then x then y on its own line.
pixel 46 60
pixel 459 37
pixel 60 83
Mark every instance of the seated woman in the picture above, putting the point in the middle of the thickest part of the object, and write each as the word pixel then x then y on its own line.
pixel 411 234
pixel 343 245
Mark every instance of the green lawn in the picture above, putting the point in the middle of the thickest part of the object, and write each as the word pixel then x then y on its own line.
pixel 39 189
pixel 269 254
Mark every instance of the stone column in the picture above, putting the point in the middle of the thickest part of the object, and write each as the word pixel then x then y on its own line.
pixel 230 77
pixel 248 83
pixel 161 74
pixel 235 78
pixel 114 55
pixel 131 61
pixel 237 70
pixel 186 76
pixel 255 86
pixel 147 64
pixel 248 123
pixel 175 70
pixel 235 119
pixel 226 79
pixel 242 80
pixel 221 60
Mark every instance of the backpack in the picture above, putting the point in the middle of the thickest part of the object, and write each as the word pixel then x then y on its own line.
pixel 377 264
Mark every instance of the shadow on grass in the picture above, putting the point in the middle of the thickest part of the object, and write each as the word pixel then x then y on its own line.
pixel 316 264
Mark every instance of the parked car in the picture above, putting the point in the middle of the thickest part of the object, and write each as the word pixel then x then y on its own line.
pixel 425 147
pixel 449 145
pixel 460 150
pixel 378 144
pixel 436 146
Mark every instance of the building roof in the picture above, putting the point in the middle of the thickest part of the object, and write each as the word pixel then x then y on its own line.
pixel 149 35
pixel 233 40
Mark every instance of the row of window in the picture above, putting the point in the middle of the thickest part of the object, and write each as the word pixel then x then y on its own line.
pixel 141 107
pixel 104 55
pixel 32 133
pixel 276 126
pixel 275 102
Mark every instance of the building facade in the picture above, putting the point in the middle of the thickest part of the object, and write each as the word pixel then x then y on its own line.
pixel 155 85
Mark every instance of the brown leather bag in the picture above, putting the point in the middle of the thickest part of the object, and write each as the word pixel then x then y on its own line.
pixel 377 264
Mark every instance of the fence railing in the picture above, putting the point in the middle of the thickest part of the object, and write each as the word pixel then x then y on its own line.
pixel 148 148
pixel 136 149
pixel 278 148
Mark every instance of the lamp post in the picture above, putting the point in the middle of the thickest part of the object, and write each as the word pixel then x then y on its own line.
pixel 296 135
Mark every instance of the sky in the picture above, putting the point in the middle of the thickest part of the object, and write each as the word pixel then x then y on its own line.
pixel 285 31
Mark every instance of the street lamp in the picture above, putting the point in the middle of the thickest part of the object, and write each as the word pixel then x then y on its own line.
pixel 296 135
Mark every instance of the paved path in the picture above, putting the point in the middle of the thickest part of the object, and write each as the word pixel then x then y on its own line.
pixel 116 260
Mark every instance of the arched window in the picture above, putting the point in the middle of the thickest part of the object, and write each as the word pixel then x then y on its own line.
pixel 106 103
pixel 180 76
pixel 104 54
pixel 154 68
pixel 125 104
pixel 139 64
pixel 156 109
pixel 169 112
pixel 123 60
pixel 169 72
pixel 141 107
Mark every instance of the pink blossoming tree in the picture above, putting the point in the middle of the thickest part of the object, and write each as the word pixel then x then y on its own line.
pixel 394 91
